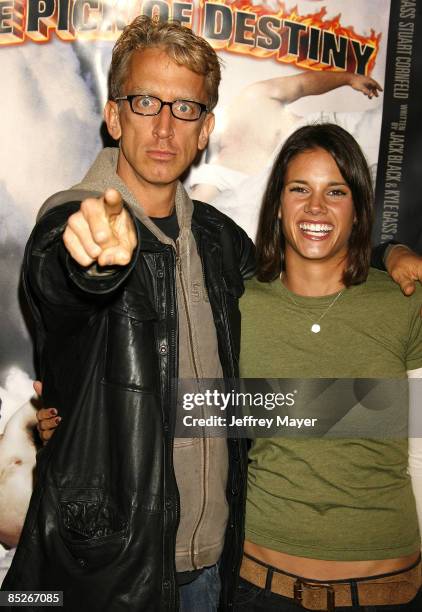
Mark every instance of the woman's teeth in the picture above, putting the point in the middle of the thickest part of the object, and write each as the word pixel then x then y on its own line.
pixel 316 229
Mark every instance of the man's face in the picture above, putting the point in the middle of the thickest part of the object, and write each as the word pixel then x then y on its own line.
pixel 155 151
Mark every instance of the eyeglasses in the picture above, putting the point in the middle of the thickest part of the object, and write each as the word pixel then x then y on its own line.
pixel 186 110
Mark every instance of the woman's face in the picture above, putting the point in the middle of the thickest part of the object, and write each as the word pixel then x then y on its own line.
pixel 317 211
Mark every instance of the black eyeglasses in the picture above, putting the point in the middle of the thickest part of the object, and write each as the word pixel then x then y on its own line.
pixel 186 110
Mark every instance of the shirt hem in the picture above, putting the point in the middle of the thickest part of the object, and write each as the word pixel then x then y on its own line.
pixel 330 553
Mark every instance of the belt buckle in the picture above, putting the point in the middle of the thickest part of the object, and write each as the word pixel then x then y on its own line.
pixel 301 585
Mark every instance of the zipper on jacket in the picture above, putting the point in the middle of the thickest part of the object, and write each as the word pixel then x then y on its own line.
pixel 204 445
pixel 174 592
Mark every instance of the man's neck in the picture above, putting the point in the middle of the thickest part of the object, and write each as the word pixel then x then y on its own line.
pixel 313 278
pixel 156 200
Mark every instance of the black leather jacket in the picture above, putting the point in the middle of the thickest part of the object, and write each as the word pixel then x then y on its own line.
pixel 102 521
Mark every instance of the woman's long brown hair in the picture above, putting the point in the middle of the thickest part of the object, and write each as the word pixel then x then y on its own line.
pixel 354 169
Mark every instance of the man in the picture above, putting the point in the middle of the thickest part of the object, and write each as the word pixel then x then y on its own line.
pixel 127 299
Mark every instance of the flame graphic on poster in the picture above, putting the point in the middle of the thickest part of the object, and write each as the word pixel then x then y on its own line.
pixel 309 41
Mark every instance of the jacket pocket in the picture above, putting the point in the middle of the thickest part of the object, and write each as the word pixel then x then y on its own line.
pixel 131 356
pixel 91 527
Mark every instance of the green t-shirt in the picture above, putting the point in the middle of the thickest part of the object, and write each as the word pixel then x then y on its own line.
pixel 338 499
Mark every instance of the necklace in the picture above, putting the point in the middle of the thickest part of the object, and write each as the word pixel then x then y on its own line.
pixel 316 327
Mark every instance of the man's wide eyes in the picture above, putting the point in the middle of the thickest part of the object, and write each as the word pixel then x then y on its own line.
pixel 184 107
pixel 145 102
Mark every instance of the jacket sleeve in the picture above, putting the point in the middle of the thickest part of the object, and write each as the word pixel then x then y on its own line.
pixel 378 255
pixel 56 283
pixel 244 249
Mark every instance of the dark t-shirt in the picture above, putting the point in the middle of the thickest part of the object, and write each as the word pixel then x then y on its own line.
pixel 168 225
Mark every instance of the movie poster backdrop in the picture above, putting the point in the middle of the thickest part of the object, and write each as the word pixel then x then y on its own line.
pixel 54 59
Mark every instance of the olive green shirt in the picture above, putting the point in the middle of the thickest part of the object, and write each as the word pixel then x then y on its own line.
pixel 338 499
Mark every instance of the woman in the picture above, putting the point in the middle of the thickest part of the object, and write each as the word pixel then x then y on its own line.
pixel 337 513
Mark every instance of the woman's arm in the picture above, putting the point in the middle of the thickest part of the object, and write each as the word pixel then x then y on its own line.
pixel 415 441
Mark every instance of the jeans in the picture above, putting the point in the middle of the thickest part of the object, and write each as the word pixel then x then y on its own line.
pixel 250 598
pixel 203 594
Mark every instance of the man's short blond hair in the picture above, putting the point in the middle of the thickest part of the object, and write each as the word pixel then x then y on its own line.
pixel 183 46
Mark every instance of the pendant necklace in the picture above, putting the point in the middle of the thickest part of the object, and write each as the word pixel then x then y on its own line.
pixel 316 327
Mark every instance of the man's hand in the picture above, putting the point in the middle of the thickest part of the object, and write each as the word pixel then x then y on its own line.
pixel 367 85
pixel 47 417
pixel 404 267
pixel 101 231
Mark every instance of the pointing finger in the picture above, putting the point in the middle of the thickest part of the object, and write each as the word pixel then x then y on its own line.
pixel 93 211
pixel 113 202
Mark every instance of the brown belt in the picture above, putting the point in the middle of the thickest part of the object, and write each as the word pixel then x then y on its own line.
pixel 393 589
